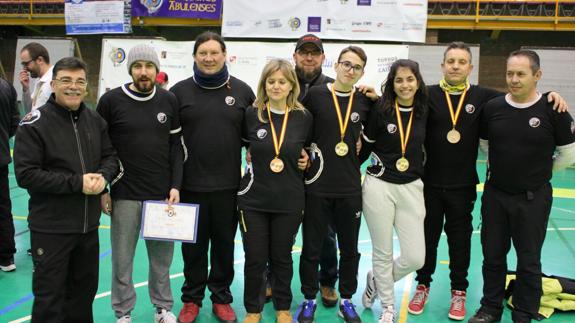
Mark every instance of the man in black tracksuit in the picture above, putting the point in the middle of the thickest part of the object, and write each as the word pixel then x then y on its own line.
pixel 64 158
pixel 9 117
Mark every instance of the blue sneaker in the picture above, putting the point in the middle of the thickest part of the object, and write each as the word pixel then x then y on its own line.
pixel 307 312
pixel 347 312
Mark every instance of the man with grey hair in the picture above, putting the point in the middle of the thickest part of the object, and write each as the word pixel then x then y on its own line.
pixel 144 127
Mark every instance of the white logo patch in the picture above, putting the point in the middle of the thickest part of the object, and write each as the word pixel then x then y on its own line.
pixel 31 117
pixel 354 117
pixel 469 108
pixel 262 133
pixel 534 122
pixel 230 100
pixel 391 128
pixel 162 117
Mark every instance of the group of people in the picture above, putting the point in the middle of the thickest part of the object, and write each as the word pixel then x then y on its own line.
pixel 306 136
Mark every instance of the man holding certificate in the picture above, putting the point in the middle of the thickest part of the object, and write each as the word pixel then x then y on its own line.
pixel 144 127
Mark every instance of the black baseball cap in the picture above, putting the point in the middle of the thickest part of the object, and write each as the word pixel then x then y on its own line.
pixel 309 39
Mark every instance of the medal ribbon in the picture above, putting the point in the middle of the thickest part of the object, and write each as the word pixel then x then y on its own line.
pixel 403 136
pixel 278 145
pixel 455 117
pixel 342 125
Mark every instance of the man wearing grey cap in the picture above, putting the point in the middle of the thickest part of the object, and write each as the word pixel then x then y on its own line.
pixel 144 127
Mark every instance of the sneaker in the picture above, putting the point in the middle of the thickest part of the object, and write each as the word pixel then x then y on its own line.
pixel 284 317
pixel 124 319
pixel 387 316
pixel 483 317
pixel 328 296
pixel 163 316
pixel 419 299
pixel 457 308
pixel 370 293
pixel 8 265
pixel 307 312
pixel 224 312
pixel 252 318
pixel 347 311
pixel 189 313
pixel 268 294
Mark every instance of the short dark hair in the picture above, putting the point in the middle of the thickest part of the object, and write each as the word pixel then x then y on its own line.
pixel 207 36
pixel 356 50
pixel 534 61
pixel 457 45
pixel 69 63
pixel 37 50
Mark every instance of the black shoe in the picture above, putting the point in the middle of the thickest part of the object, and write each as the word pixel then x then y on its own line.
pixel 484 317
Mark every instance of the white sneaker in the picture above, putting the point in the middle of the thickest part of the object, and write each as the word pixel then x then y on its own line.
pixel 124 319
pixel 387 316
pixel 370 292
pixel 163 316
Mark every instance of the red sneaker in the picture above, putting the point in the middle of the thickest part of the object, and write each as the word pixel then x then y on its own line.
pixel 457 308
pixel 224 312
pixel 189 313
pixel 419 299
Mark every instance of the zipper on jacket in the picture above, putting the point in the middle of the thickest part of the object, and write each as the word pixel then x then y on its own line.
pixel 83 171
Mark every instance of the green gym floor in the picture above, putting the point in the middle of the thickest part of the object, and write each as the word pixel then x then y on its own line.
pixel 558 259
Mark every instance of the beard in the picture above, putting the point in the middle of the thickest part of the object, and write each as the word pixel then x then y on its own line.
pixel 307 77
pixel 142 87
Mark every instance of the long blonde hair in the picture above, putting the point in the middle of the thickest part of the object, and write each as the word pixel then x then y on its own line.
pixel 288 71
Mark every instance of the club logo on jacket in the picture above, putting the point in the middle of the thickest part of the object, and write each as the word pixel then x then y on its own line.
pixel 534 122
pixel 391 128
pixel 162 117
pixel 262 133
pixel 31 117
pixel 469 108
pixel 230 100
pixel 354 117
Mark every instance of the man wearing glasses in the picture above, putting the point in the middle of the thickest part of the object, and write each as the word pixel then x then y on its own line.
pixel 64 158
pixel 35 76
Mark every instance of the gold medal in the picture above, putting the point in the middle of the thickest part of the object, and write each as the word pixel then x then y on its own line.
pixel 341 149
pixel 453 136
pixel 402 164
pixel 276 165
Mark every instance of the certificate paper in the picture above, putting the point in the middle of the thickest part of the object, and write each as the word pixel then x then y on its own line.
pixel 159 222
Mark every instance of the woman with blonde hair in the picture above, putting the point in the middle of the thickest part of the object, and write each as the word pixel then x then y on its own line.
pixel 271 195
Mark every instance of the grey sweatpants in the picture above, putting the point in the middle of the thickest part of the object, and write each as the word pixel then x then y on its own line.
pixel 387 206
pixel 125 231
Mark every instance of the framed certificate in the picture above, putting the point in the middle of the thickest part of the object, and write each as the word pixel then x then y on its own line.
pixel 178 222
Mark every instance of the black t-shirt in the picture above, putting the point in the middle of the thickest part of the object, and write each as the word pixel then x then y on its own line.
pixel 522 142
pixel 382 130
pixel 145 130
pixel 260 188
pixel 212 126
pixel 454 165
pixel 331 175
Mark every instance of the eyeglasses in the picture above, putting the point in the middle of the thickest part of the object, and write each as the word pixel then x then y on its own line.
pixel 347 66
pixel 313 53
pixel 67 82
pixel 25 63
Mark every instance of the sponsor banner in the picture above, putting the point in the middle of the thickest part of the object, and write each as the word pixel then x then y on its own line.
pixel 97 17
pixel 245 60
pixel 382 20
pixel 205 9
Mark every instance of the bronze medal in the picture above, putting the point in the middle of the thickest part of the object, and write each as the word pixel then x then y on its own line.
pixel 341 149
pixel 402 164
pixel 276 165
pixel 453 136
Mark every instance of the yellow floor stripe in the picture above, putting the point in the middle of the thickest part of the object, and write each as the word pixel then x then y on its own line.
pixel 405 298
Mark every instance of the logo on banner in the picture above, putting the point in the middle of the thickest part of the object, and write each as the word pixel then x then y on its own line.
pixel 294 23
pixel 343 1
pixel 364 2
pixel 234 23
pixel 117 56
pixel 152 5
pixel 314 24
pixel 534 122
pixel 274 23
